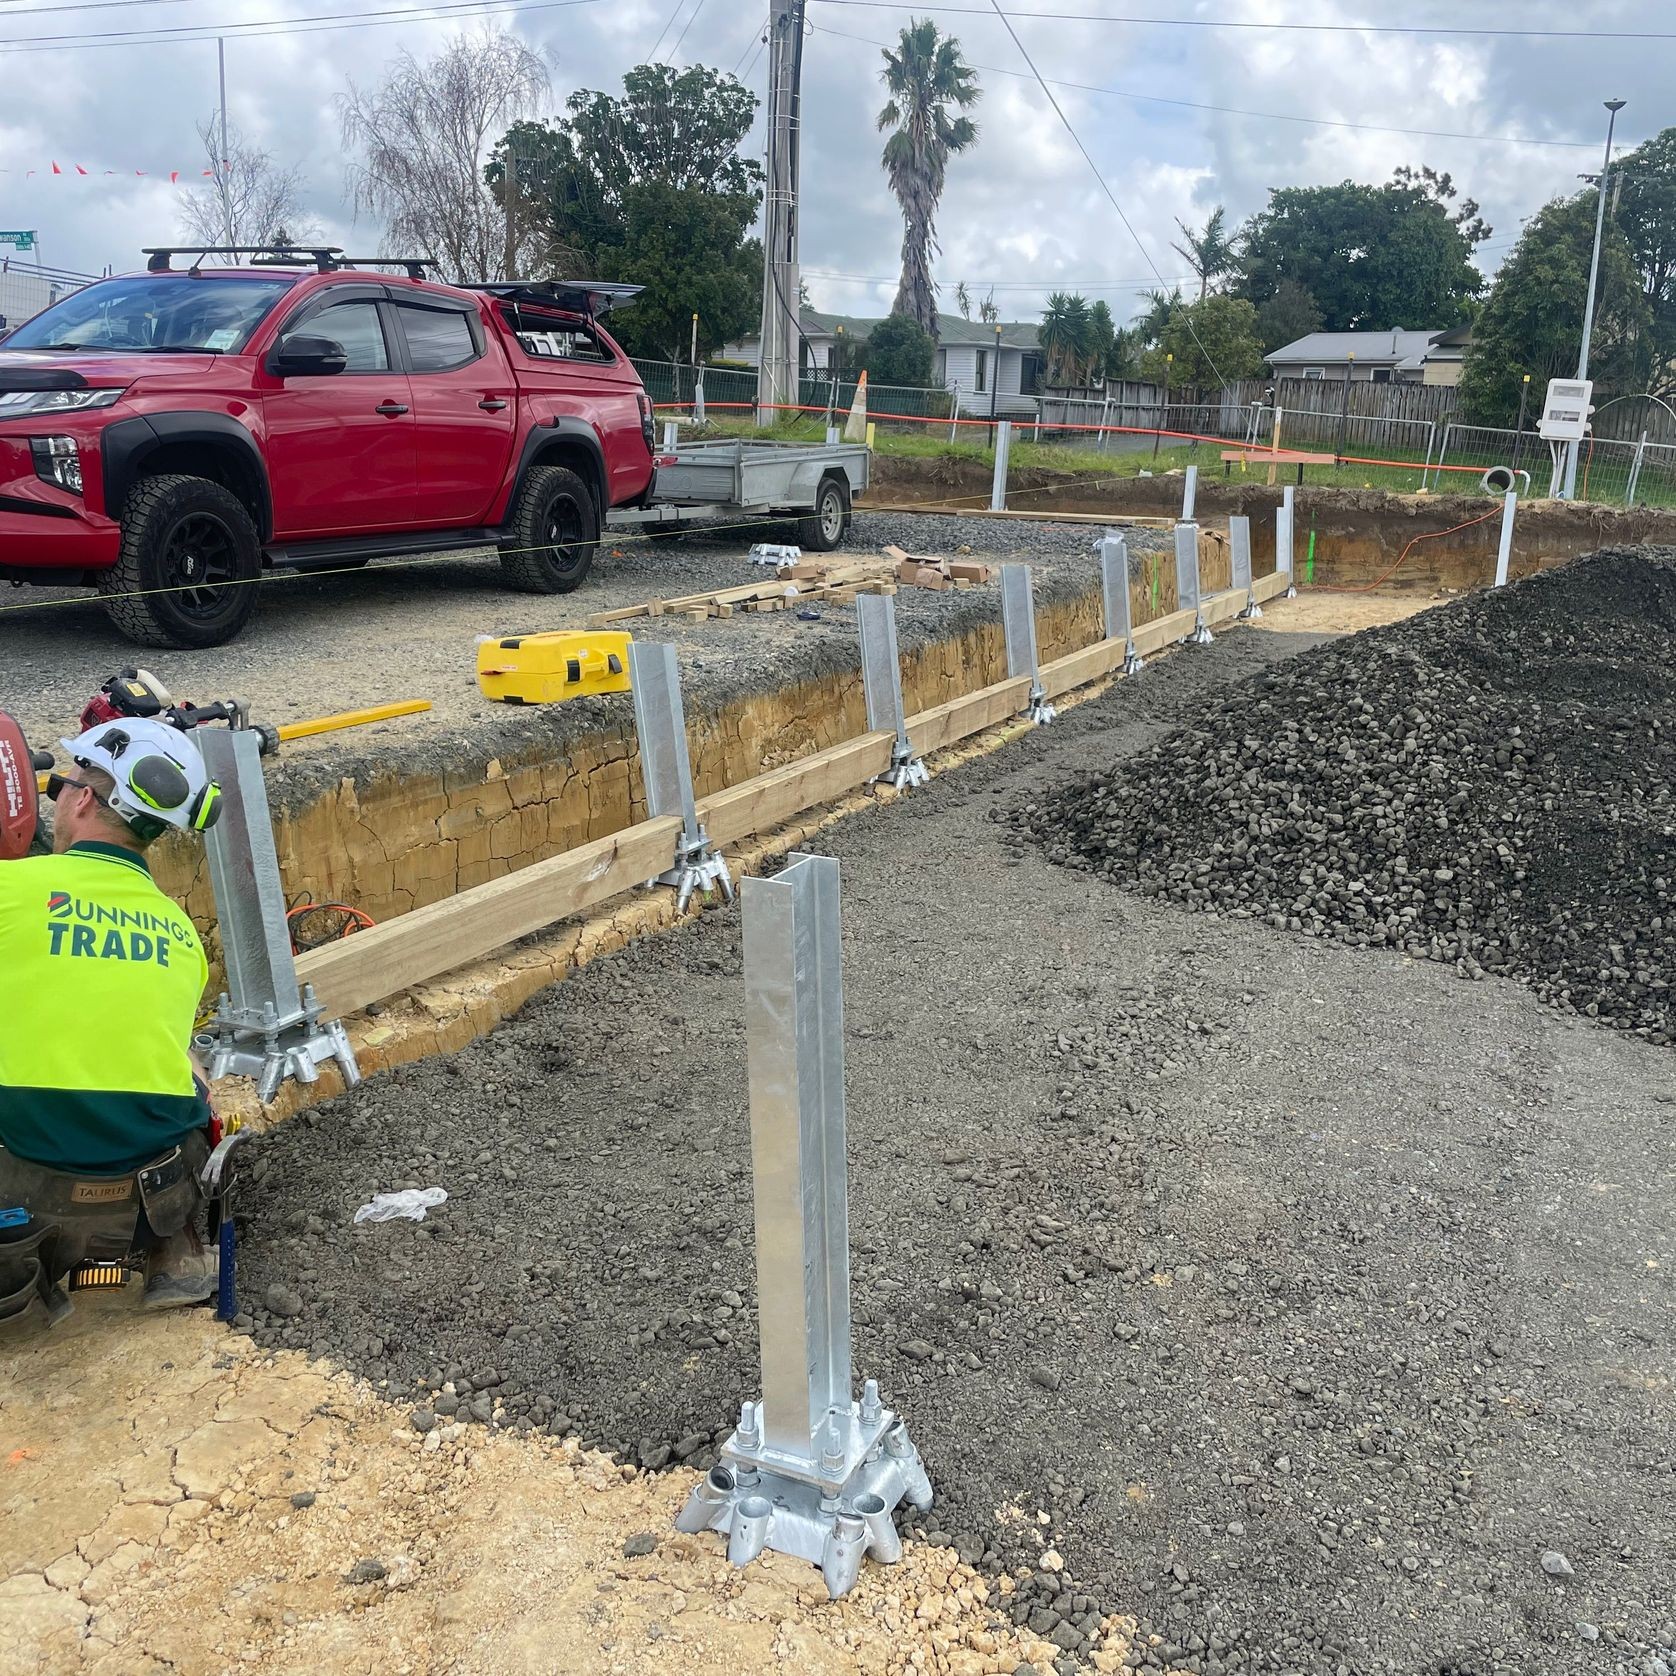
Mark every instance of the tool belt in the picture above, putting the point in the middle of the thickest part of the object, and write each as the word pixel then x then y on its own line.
pixel 75 1220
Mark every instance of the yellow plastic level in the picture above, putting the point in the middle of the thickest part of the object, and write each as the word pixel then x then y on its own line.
pixel 545 668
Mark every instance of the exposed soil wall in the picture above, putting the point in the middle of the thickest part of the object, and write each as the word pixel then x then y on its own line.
pixel 392 837
pixel 1359 533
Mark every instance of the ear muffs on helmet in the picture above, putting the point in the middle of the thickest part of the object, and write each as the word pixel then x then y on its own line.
pixel 206 808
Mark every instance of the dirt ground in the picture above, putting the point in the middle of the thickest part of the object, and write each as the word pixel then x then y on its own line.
pixel 189 1505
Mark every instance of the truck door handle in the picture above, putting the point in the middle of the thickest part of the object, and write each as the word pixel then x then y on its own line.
pixel 391 410
pixel 492 404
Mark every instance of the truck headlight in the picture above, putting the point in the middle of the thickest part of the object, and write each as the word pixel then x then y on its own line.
pixel 21 404
pixel 57 461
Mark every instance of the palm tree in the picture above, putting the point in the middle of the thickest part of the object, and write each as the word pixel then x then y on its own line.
pixel 1212 252
pixel 1067 339
pixel 1160 305
pixel 927 80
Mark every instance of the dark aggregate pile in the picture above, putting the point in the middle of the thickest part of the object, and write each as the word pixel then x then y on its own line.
pixel 1488 784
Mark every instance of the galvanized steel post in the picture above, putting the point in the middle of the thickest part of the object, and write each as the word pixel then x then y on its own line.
pixel 1018 623
pixel 808 1470
pixel 998 483
pixel 1189 493
pixel 1187 583
pixel 660 725
pixel 1239 562
pixel 265 1026
pixel 881 681
pixel 1114 597
pixel 1283 525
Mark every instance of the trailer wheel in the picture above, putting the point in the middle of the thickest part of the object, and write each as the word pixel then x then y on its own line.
pixel 553 533
pixel 826 527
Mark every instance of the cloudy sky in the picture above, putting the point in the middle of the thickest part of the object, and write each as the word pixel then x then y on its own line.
pixel 1023 212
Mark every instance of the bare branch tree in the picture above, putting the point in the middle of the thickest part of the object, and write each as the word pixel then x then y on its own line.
pixel 423 137
pixel 261 200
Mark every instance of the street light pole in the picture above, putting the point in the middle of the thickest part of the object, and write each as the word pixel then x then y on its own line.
pixel 1613 106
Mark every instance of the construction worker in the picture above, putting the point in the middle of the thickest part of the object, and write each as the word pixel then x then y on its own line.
pixel 103 1117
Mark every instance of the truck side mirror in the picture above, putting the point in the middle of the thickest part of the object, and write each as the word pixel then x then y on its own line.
pixel 302 356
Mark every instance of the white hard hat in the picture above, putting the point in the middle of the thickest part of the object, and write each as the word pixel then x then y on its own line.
pixel 158 772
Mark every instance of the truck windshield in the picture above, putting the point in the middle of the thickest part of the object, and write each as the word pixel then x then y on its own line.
pixel 153 313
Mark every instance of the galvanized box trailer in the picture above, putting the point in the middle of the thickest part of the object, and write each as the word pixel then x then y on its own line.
pixel 735 481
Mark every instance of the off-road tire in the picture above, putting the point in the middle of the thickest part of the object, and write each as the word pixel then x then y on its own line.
pixel 552 535
pixel 188 569
pixel 826 527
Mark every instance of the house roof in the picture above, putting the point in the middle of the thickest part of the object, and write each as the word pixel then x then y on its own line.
pixel 951 329
pixel 1378 349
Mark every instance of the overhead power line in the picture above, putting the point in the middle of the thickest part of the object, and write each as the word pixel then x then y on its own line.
pixel 685 27
pixel 1261 116
pixel 1111 197
pixel 1256 24
pixel 303 24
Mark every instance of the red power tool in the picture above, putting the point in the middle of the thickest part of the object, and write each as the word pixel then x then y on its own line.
pixel 19 801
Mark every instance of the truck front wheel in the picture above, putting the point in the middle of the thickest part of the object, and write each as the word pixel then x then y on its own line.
pixel 188 568
pixel 552 534
pixel 825 528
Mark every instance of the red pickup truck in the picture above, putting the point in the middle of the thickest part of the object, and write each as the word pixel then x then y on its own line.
pixel 166 435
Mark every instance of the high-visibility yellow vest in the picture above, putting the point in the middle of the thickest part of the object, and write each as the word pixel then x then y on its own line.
pixel 100 980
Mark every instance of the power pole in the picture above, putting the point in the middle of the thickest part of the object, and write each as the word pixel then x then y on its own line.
pixel 509 192
pixel 777 373
pixel 224 173
pixel 1568 485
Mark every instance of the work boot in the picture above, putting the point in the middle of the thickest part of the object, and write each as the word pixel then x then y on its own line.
pixel 182 1270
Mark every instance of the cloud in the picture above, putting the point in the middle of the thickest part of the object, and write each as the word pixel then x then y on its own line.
pixel 1022 210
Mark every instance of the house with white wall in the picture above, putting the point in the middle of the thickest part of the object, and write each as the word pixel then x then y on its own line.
pixel 996 366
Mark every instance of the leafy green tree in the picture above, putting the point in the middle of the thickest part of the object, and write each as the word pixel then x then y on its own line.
pixel 1646 212
pixel 928 82
pixel 900 352
pixel 686 248
pixel 651 187
pixel 1372 257
pixel 1533 319
pixel 1213 252
pixel 1211 343
pixel 1288 315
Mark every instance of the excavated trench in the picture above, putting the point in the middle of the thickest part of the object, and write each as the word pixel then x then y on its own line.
pixel 1358 533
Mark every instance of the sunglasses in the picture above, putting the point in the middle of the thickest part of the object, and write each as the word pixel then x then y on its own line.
pixel 56 784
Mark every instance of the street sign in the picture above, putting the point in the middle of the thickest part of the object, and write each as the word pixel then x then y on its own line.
pixel 18 239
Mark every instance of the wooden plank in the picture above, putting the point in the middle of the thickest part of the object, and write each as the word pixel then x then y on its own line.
pixel 755 805
pixel 413 947
pixel 971 713
pixel 1285 457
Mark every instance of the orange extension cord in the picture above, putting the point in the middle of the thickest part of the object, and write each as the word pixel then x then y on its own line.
pixel 1428 535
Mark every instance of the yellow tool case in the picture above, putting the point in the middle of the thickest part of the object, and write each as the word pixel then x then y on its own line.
pixel 545 668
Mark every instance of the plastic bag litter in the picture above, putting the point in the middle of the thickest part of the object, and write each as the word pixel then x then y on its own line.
pixel 411 1202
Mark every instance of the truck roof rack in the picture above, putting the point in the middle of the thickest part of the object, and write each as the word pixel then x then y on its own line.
pixel 324 258
pixel 588 297
pixel 159 258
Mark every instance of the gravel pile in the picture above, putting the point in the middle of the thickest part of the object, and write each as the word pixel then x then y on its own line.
pixel 1488 784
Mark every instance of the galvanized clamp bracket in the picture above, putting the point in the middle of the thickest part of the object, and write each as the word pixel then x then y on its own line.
pixel 808 1470
pixel 1187 583
pixel 1113 551
pixel 660 723
pixel 265 1025
pixel 1018 622
pixel 1239 556
pixel 881 680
